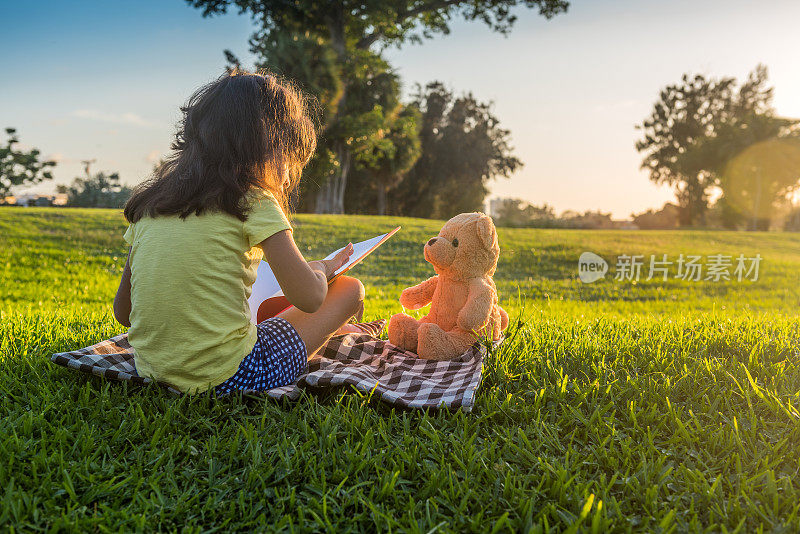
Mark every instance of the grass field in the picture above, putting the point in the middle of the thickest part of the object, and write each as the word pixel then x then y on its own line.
pixel 612 406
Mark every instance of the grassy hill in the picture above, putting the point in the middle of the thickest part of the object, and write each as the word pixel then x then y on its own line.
pixel 612 406
pixel 73 258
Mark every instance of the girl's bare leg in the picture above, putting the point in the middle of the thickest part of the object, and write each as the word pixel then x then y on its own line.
pixel 349 328
pixel 344 300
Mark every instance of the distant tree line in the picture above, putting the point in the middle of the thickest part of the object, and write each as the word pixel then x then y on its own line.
pixel 99 190
pixel 666 218
pixel 517 213
pixel 19 168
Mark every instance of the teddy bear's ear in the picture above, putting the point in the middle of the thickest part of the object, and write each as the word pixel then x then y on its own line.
pixel 486 231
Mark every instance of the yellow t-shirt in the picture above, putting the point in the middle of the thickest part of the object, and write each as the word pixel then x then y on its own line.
pixel 190 281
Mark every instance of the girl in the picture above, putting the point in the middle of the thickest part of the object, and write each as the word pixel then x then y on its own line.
pixel 198 230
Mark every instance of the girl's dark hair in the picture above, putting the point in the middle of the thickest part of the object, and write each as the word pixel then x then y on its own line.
pixel 238 133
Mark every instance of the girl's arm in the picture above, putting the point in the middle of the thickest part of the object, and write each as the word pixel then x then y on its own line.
pixel 305 284
pixel 122 302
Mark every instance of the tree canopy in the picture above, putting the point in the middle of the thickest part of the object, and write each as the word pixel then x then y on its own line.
pixel 697 126
pixel 359 25
pixel 19 167
pixel 756 178
pixel 463 149
pixel 333 49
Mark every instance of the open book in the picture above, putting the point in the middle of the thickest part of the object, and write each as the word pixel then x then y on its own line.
pixel 267 299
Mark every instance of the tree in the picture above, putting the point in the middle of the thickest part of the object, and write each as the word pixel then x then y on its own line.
pixel 392 165
pixel 463 149
pixel 379 173
pixel 685 113
pixel 792 221
pixel 100 190
pixel 756 159
pixel 18 167
pixel 358 134
pixel 361 137
pixel 340 32
pixel 388 153
pixel 752 156
pixel 697 126
pixel 757 179
pixel 374 140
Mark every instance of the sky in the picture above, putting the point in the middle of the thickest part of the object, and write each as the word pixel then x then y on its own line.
pixel 104 80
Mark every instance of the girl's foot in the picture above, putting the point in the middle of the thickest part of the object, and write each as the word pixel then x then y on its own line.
pixel 349 328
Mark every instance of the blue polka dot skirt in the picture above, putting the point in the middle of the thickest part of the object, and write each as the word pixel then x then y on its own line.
pixel 277 359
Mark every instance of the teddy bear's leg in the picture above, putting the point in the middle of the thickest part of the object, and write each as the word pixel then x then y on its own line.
pixel 497 323
pixel 492 328
pixel 503 318
pixel 436 344
pixel 403 331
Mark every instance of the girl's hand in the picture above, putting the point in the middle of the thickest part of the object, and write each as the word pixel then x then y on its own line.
pixel 305 284
pixel 333 264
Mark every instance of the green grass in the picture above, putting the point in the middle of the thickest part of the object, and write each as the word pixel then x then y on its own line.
pixel 611 406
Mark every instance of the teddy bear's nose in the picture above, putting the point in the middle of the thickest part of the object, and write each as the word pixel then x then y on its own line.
pixel 432 241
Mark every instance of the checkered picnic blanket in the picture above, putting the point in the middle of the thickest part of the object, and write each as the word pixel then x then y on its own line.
pixel 361 360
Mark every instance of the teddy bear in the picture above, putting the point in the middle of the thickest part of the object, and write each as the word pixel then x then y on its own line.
pixel 462 295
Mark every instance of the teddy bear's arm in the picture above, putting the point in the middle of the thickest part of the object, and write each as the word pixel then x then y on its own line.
pixel 476 311
pixel 415 297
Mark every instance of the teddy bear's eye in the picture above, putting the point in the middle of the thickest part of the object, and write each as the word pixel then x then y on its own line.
pixel 455 242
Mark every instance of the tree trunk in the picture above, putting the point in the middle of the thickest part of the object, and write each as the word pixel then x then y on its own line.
pixel 323 198
pixel 381 198
pixel 330 198
pixel 755 222
pixel 343 153
pixel 693 203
